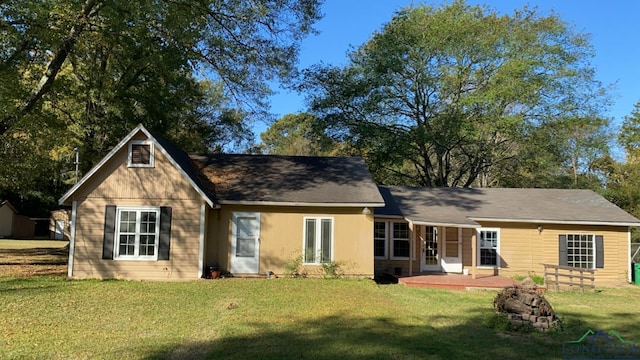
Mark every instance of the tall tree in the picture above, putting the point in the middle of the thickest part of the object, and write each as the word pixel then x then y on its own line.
pixel 80 75
pixel 445 96
pixel 297 134
pixel 238 43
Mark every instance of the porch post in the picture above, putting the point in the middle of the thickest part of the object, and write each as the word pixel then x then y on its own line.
pixel 412 244
pixel 474 254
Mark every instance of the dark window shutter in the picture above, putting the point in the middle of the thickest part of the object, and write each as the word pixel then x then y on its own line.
pixel 599 251
pixel 562 250
pixel 109 232
pixel 165 233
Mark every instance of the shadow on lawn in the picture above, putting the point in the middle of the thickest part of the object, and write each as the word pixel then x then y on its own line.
pixel 350 337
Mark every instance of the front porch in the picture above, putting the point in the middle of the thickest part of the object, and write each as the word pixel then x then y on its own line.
pixel 457 281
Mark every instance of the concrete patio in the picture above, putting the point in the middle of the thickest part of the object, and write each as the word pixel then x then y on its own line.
pixel 457 281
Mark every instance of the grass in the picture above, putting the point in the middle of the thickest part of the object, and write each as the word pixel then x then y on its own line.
pixel 28 258
pixel 50 317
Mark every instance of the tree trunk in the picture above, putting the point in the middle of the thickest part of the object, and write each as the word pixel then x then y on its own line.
pixel 89 9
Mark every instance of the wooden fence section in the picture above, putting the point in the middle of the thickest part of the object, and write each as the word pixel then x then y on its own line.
pixel 557 275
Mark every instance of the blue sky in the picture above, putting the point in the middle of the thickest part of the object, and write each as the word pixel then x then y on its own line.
pixel 614 27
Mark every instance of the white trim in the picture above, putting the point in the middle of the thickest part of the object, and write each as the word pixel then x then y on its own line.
pixel 318 239
pixel 386 239
pixel 130 153
pixel 295 203
pixel 594 255
pixel 628 254
pixel 72 237
pixel 123 142
pixel 116 238
pixel 446 224
pixel 392 239
pixel 559 222
pixel 234 239
pixel 201 241
pixel 478 239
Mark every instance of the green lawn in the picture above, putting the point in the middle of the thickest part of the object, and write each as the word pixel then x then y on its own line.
pixel 49 317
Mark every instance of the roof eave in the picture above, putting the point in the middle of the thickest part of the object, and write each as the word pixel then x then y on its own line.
pixel 298 203
pixel 122 143
pixel 561 222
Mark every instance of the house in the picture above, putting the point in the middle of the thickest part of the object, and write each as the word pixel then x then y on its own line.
pixel 501 231
pixel 14 225
pixel 148 210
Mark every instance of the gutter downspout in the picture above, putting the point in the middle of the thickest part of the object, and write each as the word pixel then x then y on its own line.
pixel 201 241
pixel 72 238
pixel 412 245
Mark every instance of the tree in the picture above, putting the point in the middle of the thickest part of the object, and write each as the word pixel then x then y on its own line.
pixel 297 134
pixel 82 74
pixel 623 182
pixel 237 43
pixel 446 96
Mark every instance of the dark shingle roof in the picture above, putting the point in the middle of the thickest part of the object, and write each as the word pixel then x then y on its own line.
pixel 287 179
pixel 462 206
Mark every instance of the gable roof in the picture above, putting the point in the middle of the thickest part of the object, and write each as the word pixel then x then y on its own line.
pixel 263 179
pixel 288 180
pixel 8 204
pixel 176 157
pixel 465 206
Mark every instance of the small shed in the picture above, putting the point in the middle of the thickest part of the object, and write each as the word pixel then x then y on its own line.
pixel 7 212
pixel 13 224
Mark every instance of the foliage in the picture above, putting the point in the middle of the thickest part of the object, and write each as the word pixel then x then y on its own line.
pixel 332 269
pixel 81 74
pixel 294 269
pixel 297 134
pixel 451 96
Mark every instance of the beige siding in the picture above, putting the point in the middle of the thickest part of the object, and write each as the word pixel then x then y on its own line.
pixel 523 249
pixel 117 184
pixel 281 237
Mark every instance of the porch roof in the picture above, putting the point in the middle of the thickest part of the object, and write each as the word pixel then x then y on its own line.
pixel 464 207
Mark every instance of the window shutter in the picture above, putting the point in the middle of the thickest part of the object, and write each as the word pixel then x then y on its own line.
pixel 165 233
pixel 109 232
pixel 562 250
pixel 599 251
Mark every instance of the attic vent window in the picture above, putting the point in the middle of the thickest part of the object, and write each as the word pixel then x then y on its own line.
pixel 141 154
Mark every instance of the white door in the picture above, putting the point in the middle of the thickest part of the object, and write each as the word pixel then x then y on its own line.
pixel 430 251
pixel 245 243
pixel 452 250
pixel 59 232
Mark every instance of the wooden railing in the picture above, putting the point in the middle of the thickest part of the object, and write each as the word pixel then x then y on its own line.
pixel 556 275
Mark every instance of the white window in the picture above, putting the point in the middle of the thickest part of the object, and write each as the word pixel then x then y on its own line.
pixel 489 247
pixel 318 240
pixel 581 250
pixel 400 240
pixel 141 153
pixel 137 233
pixel 380 239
